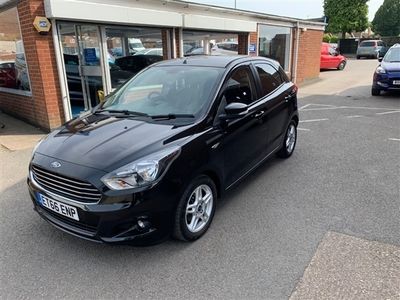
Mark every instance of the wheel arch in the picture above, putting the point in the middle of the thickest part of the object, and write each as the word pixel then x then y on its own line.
pixel 216 179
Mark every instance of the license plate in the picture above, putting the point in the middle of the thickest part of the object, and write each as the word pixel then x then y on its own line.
pixel 396 82
pixel 59 207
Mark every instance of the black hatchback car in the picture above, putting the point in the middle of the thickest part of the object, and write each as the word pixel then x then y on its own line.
pixel 154 158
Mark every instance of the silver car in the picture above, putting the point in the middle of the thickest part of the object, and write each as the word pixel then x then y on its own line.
pixel 371 49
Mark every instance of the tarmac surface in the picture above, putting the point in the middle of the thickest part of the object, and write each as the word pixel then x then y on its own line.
pixel 323 224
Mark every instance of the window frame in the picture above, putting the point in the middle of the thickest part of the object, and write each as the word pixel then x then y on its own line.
pixel 12 90
pixel 288 59
pixel 225 80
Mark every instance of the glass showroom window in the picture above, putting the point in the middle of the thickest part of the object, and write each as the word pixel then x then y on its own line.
pixel 209 43
pixel 274 42
pixel 13 68
pixel 130 50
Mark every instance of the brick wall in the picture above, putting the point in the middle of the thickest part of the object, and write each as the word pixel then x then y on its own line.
pixel 243 43
pixel 178 43
pixel 164 38
pixel 309 55
pixel 44 108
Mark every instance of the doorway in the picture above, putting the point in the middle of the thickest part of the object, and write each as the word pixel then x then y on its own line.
pixel 84 65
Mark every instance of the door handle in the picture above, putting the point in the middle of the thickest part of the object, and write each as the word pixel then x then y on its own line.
pixel 259 114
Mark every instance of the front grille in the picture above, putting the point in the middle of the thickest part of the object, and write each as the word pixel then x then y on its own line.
pixel 66 186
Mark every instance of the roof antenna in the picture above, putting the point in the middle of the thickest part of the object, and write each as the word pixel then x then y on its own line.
pixel 185 61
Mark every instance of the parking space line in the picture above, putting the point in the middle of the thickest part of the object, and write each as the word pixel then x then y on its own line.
pixel 307 105
pixel 315 120
pixel 393 139
pixel 388 112
pixel 355 116
pixel 392 110
pixel 303 129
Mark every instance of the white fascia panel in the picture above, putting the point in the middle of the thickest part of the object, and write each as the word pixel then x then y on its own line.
pixel 215 23
pixel 108 13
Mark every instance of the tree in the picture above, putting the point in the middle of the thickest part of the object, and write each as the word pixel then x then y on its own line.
pixel 387 19
pixel 346 16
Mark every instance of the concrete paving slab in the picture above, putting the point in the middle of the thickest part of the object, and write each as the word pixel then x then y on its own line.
pixel 346 267
pixel 16 134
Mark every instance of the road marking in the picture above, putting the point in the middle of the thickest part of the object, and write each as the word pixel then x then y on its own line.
pixel 355 116
pixel 388 112
pixel 392 110
pixel 392 139
pixel 315 120
pixel 307 105
pixel 303 129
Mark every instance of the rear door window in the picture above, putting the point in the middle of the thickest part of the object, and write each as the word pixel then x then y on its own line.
pixel 269 77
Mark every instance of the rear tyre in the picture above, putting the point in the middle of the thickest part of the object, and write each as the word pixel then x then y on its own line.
pixel 289 142
pixel 358 56
pixel 195 209
pixel 341 66
pixel 375 92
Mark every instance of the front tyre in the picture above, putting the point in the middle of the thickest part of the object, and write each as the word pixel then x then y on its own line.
pixel 195 209
pixel 289 142
pixel 375 92
pixel 341 66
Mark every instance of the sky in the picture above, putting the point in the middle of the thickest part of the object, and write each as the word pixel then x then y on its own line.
pixel 302 9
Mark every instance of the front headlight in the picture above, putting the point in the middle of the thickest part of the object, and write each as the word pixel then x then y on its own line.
pixel 380 70
pixel 143 172
pixel 37 146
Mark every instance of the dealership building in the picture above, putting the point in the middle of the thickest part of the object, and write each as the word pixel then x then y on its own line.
pixel 61 57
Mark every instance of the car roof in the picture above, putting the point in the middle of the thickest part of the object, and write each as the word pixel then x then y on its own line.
pixel 215 61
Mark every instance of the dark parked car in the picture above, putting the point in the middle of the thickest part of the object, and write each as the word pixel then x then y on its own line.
pixel 387 74
pixel 136 63
pixel 8 74
pixel 154 158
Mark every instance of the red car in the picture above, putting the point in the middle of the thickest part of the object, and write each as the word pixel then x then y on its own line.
pixel 331 59
pixel 7 75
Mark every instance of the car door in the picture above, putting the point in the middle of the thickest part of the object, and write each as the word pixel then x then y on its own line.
pixel 279 95
pixel 244 138
pixel 324 57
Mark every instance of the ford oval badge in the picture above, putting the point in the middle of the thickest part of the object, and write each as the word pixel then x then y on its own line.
pixel 55 164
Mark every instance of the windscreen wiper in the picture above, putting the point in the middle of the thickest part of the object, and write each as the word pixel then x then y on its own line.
pixel 171 116
pixel 124 112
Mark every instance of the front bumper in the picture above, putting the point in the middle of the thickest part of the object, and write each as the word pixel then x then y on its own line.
pixel 385 82
pixel 112 222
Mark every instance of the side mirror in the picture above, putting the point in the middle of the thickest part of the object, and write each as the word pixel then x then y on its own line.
pixel 380 58
pixel 234 110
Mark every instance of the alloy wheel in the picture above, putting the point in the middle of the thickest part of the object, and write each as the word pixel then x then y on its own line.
pixel 199 208
pixel 291 138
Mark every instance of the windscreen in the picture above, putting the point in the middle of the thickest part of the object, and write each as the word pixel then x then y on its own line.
pixel 167 90
pixel 393 55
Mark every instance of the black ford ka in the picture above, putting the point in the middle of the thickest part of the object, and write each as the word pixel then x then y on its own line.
pixel 153 159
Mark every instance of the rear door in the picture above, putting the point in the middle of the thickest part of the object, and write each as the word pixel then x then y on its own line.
pixel 278 93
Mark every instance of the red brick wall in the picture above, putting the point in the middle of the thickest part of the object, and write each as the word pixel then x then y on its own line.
pixel 309 55
pixel 178 43
pixel 243 43
pixel 44 108
pixel 164 37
